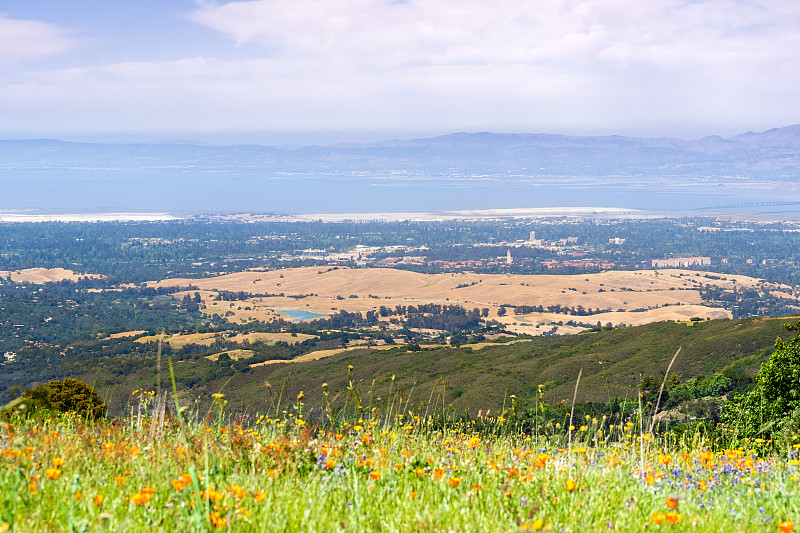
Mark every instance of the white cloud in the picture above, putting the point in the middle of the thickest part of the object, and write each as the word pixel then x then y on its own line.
pixel 203 94
pixel 616 33
pixel 573 66
pixel 27 39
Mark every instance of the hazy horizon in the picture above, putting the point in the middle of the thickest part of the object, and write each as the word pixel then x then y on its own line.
pixel 332 138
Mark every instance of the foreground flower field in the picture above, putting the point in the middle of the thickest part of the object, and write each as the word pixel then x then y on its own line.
pixel 66 474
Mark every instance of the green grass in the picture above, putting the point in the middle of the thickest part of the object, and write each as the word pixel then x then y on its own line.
pixel 390 473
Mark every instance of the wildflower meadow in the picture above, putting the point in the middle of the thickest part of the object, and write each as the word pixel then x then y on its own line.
pixel 395 471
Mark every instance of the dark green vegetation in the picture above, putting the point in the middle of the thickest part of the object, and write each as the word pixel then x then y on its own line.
pixel 47 326
pixel 58 313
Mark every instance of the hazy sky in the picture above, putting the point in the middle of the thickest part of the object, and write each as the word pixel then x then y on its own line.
pixel 329 70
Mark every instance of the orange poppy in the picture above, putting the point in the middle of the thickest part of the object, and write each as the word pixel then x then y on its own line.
pixel 141 497
pixel 672 503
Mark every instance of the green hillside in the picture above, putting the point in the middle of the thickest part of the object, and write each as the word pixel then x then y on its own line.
pixel 613 362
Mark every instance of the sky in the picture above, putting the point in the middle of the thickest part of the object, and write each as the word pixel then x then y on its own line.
pixel 325 71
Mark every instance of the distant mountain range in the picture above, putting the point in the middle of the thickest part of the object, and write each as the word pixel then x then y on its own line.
pixel 768 159
pixel 773 153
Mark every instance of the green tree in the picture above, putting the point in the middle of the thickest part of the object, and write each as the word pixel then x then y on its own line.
pixel 773 406
pixel 648 387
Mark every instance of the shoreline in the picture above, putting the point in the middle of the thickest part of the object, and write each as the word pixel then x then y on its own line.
pixel 10 216
pixel 87 217
pixel 533 212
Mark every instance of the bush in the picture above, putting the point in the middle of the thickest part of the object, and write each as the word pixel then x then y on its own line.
pixel 68 396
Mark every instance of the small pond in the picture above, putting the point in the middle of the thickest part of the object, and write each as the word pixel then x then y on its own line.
pixel 298 315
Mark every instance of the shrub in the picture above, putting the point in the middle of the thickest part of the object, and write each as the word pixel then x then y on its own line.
pixel 67 396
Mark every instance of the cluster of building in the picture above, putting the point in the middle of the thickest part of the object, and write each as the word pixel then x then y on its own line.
pixel 404 260
pixel 466 264
pixel 541 243
pixel 679 262
pixel 361 255
pixel 400 255
pixel 578 263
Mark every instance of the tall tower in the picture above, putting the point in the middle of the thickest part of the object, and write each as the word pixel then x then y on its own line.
pixel 532 237
pixel 509 259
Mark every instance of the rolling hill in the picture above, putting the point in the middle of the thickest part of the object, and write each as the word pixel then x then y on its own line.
pixel 613 363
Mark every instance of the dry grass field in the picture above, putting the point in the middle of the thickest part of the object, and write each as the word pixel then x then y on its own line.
pixel 206 339
pixel 631 297
pixel 44 275
pixel 320 354
pixel 233 354
pixel 125 334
